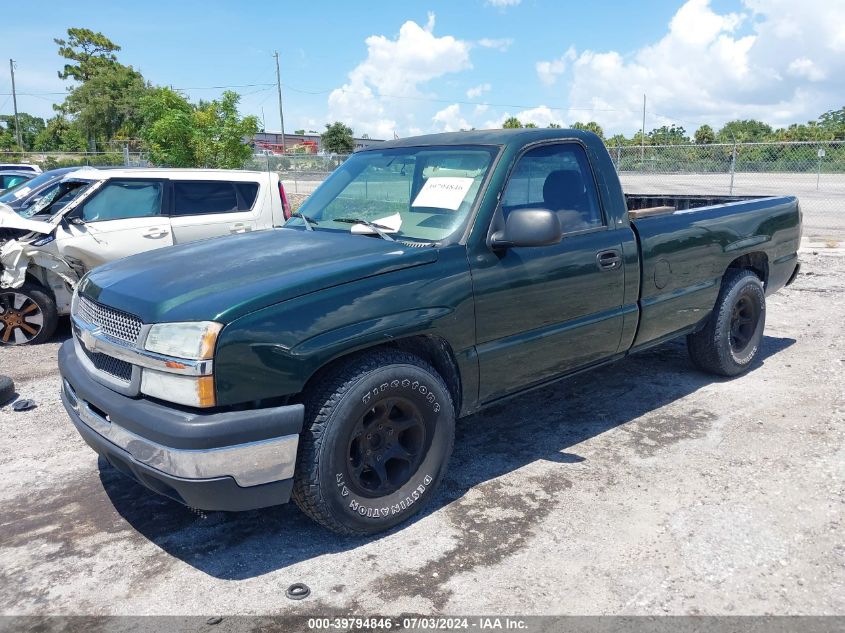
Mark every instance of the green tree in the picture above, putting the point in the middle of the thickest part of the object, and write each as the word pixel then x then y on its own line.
pixel 220 133
pixel 8 142
pixel 668 135
pixel 209 134
pixel 92 51
pixel 833 122
pixel 60 135
pixel 338 138
pixel 300 132
pixel 616 140
pixel 30 126
pixel 590 126
pixel 530 125
pixel 705 135
pixel 168 128
pixel 554 126
pixel 108 102
pixel 745 131
pixel 512 123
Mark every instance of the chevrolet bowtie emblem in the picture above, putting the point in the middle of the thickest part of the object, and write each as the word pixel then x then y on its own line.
pixel 88 338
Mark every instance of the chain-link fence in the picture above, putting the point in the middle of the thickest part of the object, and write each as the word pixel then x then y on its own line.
pixel 300 173
pixel 815 172
pixel 54 160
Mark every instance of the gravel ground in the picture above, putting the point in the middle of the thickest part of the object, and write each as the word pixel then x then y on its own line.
pixel 640 488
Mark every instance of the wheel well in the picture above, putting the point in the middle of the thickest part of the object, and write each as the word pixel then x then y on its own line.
pixel 758 263
pixel 434 350
pixel 32 279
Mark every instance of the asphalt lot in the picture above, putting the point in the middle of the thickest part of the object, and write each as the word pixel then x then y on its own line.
pixel 641 488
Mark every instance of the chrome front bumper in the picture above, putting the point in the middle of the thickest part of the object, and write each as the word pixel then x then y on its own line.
pixel 249 464
pixel 212 460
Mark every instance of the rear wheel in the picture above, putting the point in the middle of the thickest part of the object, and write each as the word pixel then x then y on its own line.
pixel 730 341
pixel 27 315
pixel 380 430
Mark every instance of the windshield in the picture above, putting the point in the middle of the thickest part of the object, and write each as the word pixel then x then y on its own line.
pixel 55 199
pixel 20 190
pixel 417 193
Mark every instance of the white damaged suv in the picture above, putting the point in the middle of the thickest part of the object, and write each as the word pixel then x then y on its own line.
pixel 100 215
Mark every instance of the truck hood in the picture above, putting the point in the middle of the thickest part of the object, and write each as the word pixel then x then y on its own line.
pixel 9 219
pixel 222 279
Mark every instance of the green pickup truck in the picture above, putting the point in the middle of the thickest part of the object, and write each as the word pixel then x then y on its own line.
pixel 425 279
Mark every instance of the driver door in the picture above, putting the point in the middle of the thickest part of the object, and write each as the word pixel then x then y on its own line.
pixel 124 217
pixel 544 311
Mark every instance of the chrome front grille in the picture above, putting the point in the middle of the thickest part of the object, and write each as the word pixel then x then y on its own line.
pixel 114 324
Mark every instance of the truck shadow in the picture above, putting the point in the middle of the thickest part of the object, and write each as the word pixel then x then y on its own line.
pixel 540 425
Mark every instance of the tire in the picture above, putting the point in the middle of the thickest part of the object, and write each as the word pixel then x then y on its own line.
pixel 730 341
pixel 378 437
pixel 27 315
pixel 7 390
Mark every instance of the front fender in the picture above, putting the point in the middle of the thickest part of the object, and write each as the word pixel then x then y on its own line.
pixel 275 351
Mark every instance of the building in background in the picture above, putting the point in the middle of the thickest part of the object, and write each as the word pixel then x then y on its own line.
pixel 300 143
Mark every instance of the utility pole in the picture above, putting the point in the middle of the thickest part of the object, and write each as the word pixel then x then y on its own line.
pixel 15 104
pixel 642 135
pixel 279 88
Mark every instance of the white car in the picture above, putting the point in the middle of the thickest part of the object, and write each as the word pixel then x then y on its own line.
pixel 21 167
pixel 100 215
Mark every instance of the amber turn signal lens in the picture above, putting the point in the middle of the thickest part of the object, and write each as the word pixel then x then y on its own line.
pixel 209 340
pixel 205 391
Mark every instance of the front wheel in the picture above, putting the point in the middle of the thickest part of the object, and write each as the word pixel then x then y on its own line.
pixel 730 341
pixel 380 430
pixel 27 315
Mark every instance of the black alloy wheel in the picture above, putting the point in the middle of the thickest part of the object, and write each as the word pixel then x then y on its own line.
pixel 386 447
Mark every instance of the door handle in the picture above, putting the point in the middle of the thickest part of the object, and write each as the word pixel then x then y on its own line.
pixel 609 260
pixel 240 227
pixel 155 233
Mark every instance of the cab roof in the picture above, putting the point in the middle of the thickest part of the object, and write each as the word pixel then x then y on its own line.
pixel 517 136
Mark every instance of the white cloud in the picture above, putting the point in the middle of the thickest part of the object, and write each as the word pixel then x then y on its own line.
pixel 450 119
pixel 776 60
pixel 549 71
pixel 371 101
pixel 500 44
pixel 803 67
pixel 503 3
pixel 541 116
pixel 477 91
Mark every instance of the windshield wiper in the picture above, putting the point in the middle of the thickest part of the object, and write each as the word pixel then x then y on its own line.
pixel 307 221
pixel 375 227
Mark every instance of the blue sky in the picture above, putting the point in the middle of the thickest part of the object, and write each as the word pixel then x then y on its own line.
pixel 411 67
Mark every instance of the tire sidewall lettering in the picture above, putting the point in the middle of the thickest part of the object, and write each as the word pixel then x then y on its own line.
pixel 415 385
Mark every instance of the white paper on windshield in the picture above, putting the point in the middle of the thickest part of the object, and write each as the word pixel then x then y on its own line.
pixel 443 192
pixel 392 222
pixel 22 192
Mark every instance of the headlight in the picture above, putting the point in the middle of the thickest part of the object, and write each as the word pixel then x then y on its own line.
pixel 194 340
pixel 193 391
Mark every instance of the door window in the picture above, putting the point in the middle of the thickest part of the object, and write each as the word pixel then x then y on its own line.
pixel 202 197
pixel 555 177
pixel 7 182
pixel 121 199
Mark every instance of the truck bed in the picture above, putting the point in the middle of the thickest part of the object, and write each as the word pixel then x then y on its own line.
pixel 680 202
pixel 684 255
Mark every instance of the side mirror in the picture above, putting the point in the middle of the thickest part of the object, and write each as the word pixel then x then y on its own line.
pixel 74 217
pixel 528 227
